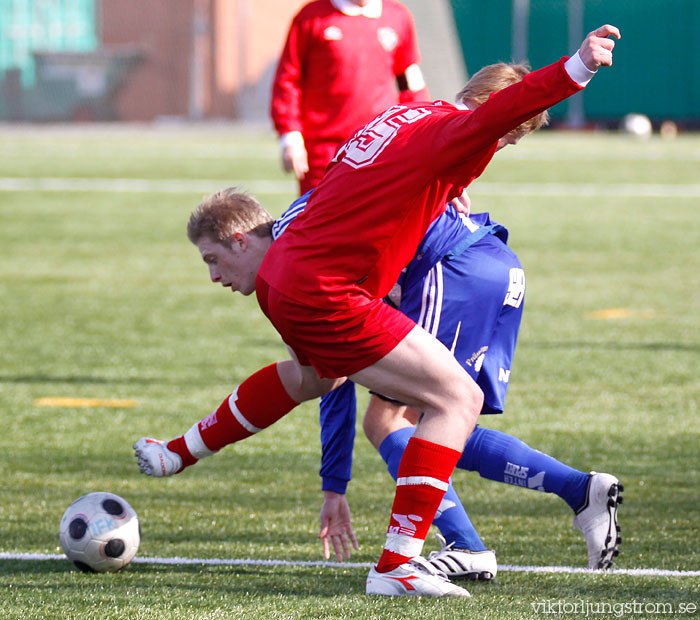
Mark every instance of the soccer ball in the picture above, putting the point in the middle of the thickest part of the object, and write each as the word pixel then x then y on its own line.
pixel 637 125
pixel 100 532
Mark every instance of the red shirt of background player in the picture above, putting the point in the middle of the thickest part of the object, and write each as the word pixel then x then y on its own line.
pixel 338 71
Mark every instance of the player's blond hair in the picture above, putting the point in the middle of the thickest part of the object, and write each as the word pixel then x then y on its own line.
pixel 226 212
pixel 496 77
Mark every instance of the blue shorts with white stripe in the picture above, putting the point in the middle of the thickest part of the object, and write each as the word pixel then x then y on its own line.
pixel 473 304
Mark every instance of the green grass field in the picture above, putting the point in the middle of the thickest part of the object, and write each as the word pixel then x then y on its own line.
pixel 104 297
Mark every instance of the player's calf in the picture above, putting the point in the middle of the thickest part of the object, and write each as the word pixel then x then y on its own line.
pixel 257 403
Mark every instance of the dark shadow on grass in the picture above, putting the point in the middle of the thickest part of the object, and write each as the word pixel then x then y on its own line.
pixel 321 582
pixel 34 567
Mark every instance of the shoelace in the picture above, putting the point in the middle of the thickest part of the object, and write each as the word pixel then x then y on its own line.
pixel 443 547
pixel 422 564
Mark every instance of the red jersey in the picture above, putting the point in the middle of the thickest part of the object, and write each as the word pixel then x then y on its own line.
pixel 338 71
pixel 386 185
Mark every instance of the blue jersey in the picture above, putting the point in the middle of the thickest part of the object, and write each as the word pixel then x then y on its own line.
pixel 294 209
pixel 464 286
pixel 448 237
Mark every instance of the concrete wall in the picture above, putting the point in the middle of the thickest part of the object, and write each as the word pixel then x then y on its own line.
pixel 216 58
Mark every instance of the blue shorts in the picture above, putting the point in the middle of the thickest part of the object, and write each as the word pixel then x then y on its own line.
pixel 473 304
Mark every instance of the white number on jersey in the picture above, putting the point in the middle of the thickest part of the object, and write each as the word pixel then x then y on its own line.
pixel 364 147
pixel 516 288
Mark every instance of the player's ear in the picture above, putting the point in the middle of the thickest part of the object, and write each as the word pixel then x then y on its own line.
pixel 240 239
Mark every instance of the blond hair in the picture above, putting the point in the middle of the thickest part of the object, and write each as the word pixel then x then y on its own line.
pixel 496 77
pixel 226 212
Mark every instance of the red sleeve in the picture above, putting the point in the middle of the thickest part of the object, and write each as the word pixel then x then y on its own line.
pixel 285 104
pixel 408 96
pixel 407 54
pixel 472 133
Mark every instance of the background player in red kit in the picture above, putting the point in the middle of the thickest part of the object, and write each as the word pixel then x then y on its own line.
pixel 344 62
pixel 322 283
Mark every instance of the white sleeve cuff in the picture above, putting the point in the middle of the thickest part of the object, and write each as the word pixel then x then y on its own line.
pixel 414 78
pixel 293 139
pixel 577 71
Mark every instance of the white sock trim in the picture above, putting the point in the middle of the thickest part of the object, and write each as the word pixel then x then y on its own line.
pixel 239 416
pixel 404 545
pixel 195 444
pixel 429 480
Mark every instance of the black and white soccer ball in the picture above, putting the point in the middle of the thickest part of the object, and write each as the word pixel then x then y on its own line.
pixel 100 532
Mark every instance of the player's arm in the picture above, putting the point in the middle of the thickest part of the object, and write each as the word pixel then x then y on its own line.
pixel 337 415
pixel 409 77
pixel 285 104
pixel 507 109
pixel 411 85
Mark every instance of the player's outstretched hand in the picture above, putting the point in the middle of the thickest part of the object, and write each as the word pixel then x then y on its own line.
pixel 335 526
pixel 596 49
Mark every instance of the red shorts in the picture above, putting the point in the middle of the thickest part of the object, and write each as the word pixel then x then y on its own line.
pixel 337 343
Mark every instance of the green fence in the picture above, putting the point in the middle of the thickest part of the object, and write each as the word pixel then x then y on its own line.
pixel 657 62
pixel 29 26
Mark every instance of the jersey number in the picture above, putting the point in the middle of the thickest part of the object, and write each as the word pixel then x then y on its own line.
pixel 516 288
pixel 364 147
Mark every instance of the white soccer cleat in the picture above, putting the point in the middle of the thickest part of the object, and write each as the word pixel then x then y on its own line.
pixel 598 520
pixel 414 578
pixel 155 459
pixel 462 563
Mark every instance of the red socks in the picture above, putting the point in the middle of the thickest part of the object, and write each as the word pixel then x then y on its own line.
pixel 422 480
pixel 258 402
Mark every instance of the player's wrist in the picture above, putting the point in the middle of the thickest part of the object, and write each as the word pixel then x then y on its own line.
pixel 578 71
pixel 292 139
pixel 334 485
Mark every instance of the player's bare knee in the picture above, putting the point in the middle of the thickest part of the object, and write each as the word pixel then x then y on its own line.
pixel 381 419
pixel 303 383
pixel 467 401
pixel 474 402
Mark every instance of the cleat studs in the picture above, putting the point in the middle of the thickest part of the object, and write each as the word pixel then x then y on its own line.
pixel 616 552
pixel 619 499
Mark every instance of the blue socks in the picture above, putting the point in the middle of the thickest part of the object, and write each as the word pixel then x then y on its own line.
pixel 451 518
pixel 495 456
pixel 504 458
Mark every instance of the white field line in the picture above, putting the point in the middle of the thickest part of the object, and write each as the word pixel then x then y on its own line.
pixel 635 572
pixel 205 186
pixel 164 186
